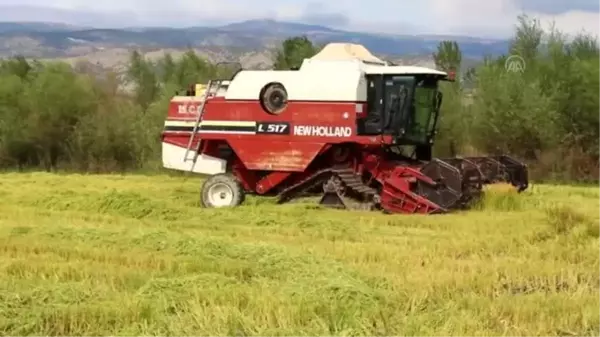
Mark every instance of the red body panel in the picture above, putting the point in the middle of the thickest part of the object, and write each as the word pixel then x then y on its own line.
pixel 276 152
pixel 278 160
pixel 219 108
pixel 274 155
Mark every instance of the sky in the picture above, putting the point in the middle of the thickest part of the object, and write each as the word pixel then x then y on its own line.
pixel 492 18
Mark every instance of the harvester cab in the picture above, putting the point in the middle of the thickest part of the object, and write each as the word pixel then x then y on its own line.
pixel 345 126
pixel 405 107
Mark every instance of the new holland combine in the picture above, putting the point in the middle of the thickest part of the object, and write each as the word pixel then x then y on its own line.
pixel 345 126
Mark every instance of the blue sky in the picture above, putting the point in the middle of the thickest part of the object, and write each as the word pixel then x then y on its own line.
pixel 470 17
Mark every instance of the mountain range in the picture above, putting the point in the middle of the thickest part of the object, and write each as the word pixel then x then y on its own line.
pixel 250 42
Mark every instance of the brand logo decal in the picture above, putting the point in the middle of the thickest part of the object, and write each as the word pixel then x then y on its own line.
pixel 187 109
pixel 322 131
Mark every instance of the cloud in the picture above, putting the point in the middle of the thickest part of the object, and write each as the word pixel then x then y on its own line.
pixel 315 13
pixel 554 7
pixel 498 17
pixel 573 22
pixel 494 18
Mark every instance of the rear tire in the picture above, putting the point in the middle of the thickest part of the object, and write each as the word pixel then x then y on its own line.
pixel 221 190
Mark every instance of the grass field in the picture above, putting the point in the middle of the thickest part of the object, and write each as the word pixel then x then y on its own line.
pixel 135 255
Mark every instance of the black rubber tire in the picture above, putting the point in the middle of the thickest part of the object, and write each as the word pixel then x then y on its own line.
pixel 228 180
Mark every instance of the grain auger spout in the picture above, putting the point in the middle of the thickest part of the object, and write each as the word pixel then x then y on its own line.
pixel 345 126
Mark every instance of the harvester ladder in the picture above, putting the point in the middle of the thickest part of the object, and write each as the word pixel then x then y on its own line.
pixel 209 90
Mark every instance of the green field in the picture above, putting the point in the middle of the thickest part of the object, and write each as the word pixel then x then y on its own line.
pixel 135 255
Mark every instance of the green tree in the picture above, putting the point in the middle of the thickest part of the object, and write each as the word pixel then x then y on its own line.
pixel 17 65
pixel 511 115
pixel 527 39
pixel 293 51
pixel 583 47
pixel 448 56
pixel 167 68
pixel 191 69
pixel 55 101
pixel 452 127
pixel 15 148
pixel 143 76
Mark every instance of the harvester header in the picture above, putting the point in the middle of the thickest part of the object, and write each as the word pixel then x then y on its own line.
pixel 345 125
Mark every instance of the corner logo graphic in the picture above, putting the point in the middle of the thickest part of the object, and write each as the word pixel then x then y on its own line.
pixel 514 64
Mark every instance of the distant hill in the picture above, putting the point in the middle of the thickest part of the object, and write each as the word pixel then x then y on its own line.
pixel 28 27
pixel 253 40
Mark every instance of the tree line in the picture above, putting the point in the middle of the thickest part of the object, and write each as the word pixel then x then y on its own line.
pixel 540 103
pixel 55 116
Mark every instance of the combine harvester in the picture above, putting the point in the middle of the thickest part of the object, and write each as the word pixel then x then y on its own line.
pixel 345 125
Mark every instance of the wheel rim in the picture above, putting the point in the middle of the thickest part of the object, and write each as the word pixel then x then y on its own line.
pixel 220 195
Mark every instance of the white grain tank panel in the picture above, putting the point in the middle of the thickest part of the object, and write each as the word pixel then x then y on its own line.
pixel 247 83
pixel 337 51
pixel 336 80
pixel 331 82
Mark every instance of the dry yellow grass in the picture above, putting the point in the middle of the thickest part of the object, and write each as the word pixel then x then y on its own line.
pixel 135 255
pixel 500 188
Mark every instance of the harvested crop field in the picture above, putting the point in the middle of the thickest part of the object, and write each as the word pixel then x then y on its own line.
pixel 135 255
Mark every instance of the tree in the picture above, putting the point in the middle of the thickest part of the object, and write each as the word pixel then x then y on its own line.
pixel 448 56
pixel 17 65
pixel 192 69
pixel 452 129
pixel 168 67
pixel 293 51
pixel 583 46
pixel 527 39
pixel 144 78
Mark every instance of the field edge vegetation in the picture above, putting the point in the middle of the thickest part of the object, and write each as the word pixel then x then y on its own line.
pixel 54 116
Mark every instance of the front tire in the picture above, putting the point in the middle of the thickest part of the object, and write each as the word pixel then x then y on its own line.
pixel 221 190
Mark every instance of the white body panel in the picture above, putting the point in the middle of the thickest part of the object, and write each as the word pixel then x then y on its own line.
pixel 173 158
pixel 337 73
pixel 336 83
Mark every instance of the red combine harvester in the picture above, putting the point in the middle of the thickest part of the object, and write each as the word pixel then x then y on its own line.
pixel 345 125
